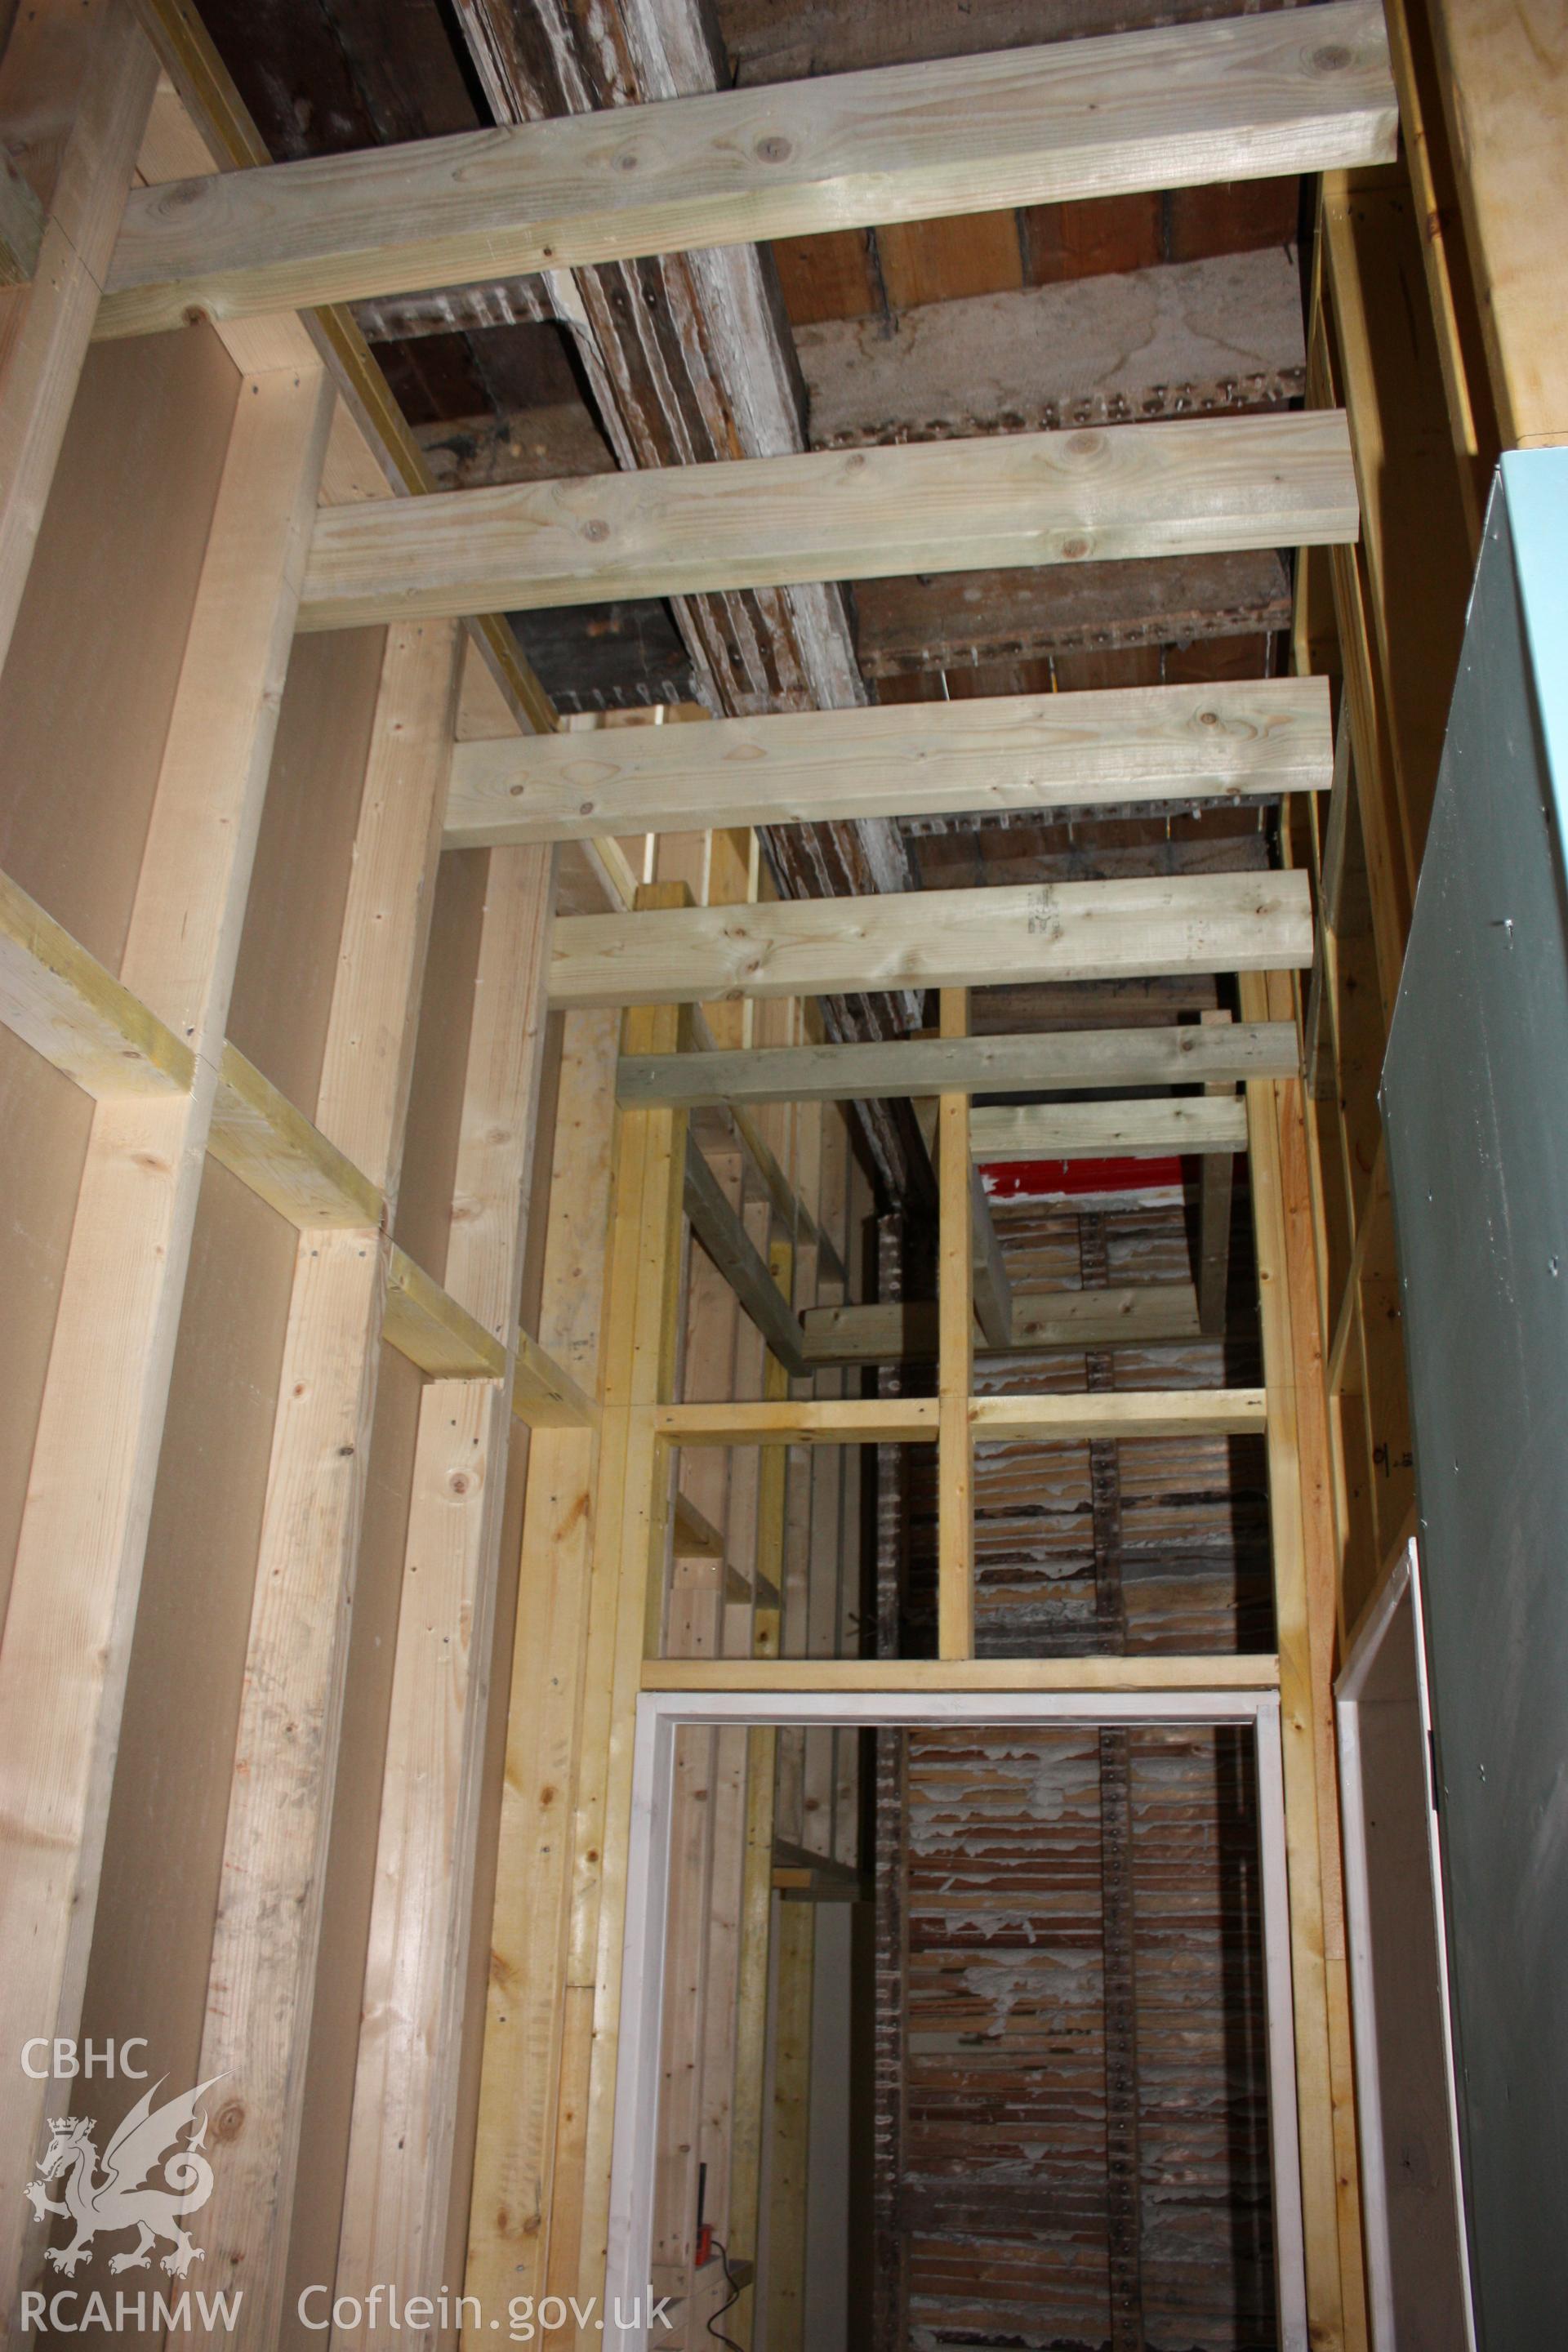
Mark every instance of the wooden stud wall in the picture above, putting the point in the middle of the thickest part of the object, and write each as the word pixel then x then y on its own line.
pixel 220 879
pixel 1430 327
pixel 280 1102
pixel 1433 325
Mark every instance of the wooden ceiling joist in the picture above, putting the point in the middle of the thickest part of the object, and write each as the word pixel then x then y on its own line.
pixel 1034 498
pixel 1033 1063
pixel 1263 737
pixel 1245 98
pixel 1097 1130
pixel 1077 930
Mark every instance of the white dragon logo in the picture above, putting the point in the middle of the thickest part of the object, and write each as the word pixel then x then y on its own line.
pixel 144 2142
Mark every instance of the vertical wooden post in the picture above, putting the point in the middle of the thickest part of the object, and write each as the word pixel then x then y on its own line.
pixel 955 1293
pixel 80 83
pixel 824 1180
pixel 396 2213
pixel 631 1540
pixel 1216 1185
pixel 79 1553
pixel 1301 1526
pixel 757 1872
pixel 708 1797
pixel 528 1995
pixel 260 1997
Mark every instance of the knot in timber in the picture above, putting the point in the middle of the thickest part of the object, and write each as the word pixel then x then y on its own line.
pixel 1045 921
pixel 773 150
pixel 1332 58
pixel 595 529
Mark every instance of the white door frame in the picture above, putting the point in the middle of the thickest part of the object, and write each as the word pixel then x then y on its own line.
pixel 660 1714
pixel 1403 1581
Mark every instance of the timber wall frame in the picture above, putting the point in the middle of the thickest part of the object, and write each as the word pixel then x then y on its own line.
pixel 1451 236
pixel 395 1206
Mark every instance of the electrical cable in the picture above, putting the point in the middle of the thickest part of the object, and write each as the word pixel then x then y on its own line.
pixel 736 2289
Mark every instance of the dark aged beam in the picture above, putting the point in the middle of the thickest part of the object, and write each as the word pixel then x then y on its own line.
pixel 690 358
pixel 964 620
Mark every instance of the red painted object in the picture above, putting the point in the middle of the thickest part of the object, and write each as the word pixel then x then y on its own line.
pixel 1029 1179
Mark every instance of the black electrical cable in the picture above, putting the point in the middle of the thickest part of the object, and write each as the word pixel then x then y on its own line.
pixel 735 2286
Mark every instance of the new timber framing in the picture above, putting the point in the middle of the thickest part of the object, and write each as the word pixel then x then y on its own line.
pixel 1032 752
pixel 1031 499
pixel 1238 98
pixel 661 1715
pixel 332 1628
pixel 946 939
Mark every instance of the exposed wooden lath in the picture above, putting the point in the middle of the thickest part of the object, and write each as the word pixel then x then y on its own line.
pixel 921 622
pixel 690 358
pixel 769 42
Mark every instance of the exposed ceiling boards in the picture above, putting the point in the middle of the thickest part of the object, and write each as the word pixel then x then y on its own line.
pixel 1046 293
pixel 770 43
pixel 1200 335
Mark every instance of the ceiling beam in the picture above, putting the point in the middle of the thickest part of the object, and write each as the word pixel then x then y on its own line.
pixel 1242 98
pixel 1188 1055
pixel 1107 1130
pixel 956 939
pixel 1034 751
pixel 945 505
